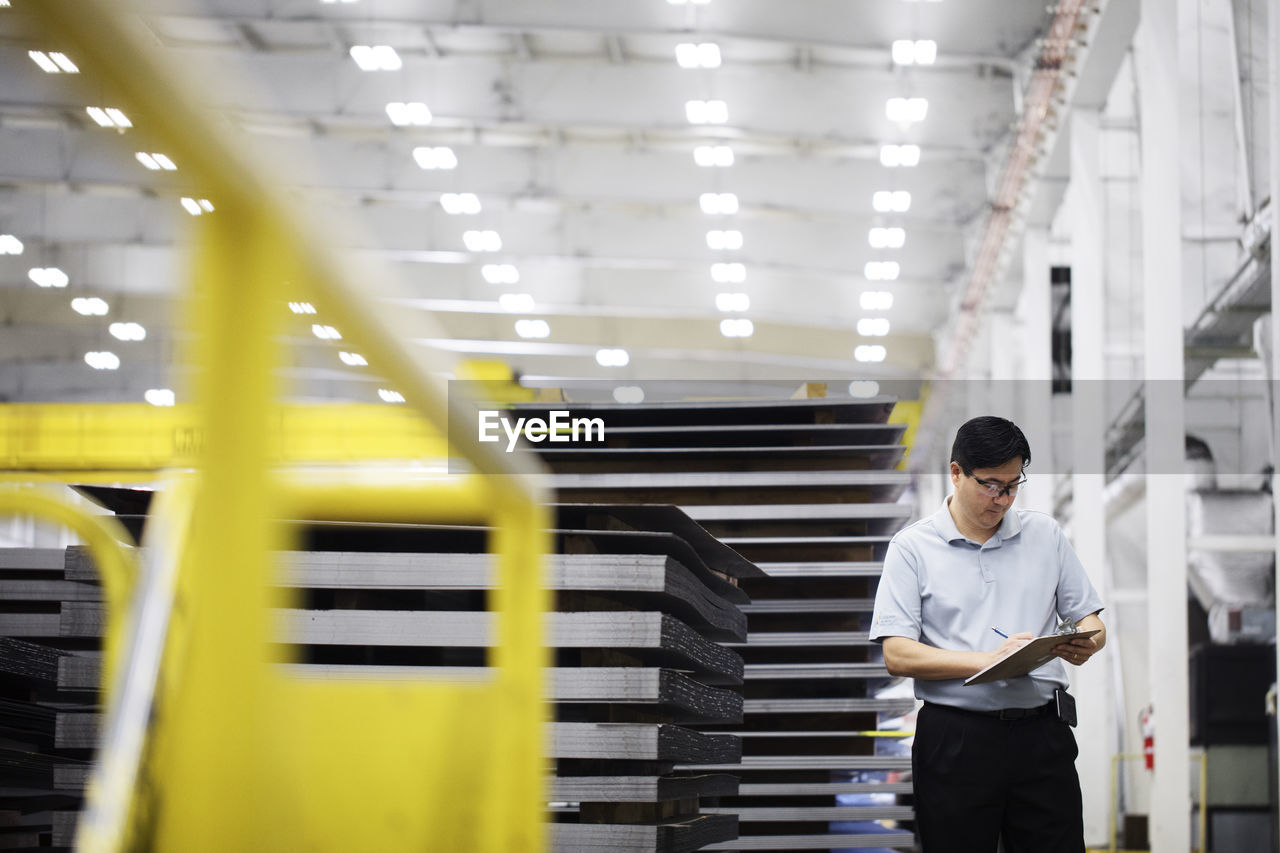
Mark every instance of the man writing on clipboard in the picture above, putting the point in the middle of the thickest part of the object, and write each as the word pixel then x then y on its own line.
pixel 992 760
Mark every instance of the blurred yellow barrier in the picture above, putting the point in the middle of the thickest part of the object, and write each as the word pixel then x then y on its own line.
pixel 206 746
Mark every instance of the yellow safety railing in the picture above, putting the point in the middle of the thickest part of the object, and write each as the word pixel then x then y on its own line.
pixel 206 745
pixel 1113 816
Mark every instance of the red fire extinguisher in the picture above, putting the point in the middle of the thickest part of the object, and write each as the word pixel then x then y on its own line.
pixel 1147 723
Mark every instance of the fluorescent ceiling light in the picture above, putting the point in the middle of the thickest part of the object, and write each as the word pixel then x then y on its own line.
pixel 921 52
pixel 48 277
pixel 302 308
pixel 705 55
pixel 460 204
pixel 127 331
pixel 10 245
pixel 873 327
pixel 196 207
pixel 737 327
pixel 325 333
pixel 897 201
pixel 439 157
pixel 516 303
pixel 887 238
pixel 881 270
pixel 89 306
pixel 863 388
pixel 718 203
pixel 102 360
pixel 108 117
pixel 155 161
pixel 352 359
pixel 706 112
pixel 500 273
pixel 906 110
pixel 899 155
pixel 612 357
pixel 724 240
pixel 378 57
pixel 389 396
pixel 869 352
pixel 730 302
pixel 728 273
pixel 482 241
pixel 876 300
pixel 628 394
pixel 532 328
pixel 159 396
pixel 414 113
pixel 713 155
pixel 53 63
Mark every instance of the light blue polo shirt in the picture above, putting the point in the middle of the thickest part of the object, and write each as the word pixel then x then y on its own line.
pixel 948 591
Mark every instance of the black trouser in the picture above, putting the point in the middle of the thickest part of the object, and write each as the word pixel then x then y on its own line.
pixel 978 778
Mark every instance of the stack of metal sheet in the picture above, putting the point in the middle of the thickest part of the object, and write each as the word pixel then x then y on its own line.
pixel 808 490
pixel 645 601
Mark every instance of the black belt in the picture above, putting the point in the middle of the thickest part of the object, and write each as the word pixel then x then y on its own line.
pixel 1006 713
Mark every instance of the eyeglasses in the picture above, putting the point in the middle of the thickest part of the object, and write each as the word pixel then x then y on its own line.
pixel 996 489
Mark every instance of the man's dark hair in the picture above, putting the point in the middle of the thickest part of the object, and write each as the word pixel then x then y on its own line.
pixel 989 442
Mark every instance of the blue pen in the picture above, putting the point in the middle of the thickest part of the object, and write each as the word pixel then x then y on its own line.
pixel 998 631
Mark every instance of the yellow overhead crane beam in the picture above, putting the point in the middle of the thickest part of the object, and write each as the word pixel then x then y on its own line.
pixel 206 745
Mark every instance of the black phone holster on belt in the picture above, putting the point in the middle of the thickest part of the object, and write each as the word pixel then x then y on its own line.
pixel 1065 704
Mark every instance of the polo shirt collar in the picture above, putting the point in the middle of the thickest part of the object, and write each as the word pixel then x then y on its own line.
pixel 1010 525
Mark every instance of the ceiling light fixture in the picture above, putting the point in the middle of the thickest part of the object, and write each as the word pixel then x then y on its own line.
pixel 516 303
pixel 389 396
pixel 302 308
pixel 921 52
pixel 628 394
pixel 730 302
pixel 377 57
pixel 713 155
pixel 876 300
pixel 873 327
pixel 160 396
pixel 325 333
pixel 10 245
pixel 482 241
pixel 48 277
pixel 706 112
pixel 728 273
pixel 108 117
pixel 156 161
pixel 863 388
pixel 724 240
pixel 127 331
pixel 869 352
pixel 887 238
pixel 102 360
pixel 53 62
pixel 718 204
pixel 500 273
pixel 737 327
pixel 532 328
pixel 439 157
pixel 612 357
pixel 906 110
pixel 456 204
pixel 881 270
pixel 412 114
pixel 352 359
pixel 89 306
pixel 893 156
pixel 705 55
pixel 197 207
pixel 897 201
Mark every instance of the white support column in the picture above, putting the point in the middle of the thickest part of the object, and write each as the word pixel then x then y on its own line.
pixel 1035 326
pixel 1092 684
pixel 1273 12
pixel 1156 57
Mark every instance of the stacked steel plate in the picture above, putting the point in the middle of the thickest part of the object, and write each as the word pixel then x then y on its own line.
pixel 807 490
pixel 645 601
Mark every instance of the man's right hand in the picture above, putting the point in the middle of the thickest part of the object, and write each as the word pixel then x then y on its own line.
pixel 1011 645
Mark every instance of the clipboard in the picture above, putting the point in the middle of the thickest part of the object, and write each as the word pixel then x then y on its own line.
pixel 1033 655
